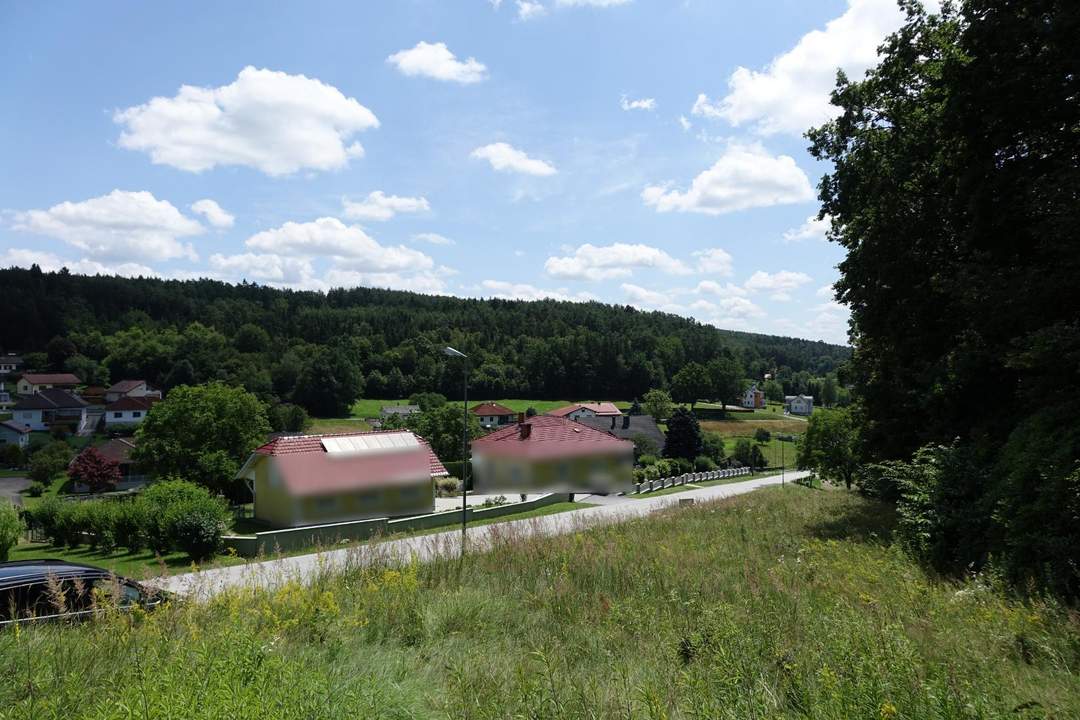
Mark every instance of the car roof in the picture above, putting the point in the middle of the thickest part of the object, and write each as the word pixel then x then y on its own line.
pixel 14 574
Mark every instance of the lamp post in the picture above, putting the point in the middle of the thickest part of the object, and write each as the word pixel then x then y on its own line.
pixel 783 466
pixel 451 352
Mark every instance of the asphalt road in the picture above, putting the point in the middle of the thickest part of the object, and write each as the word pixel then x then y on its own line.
pixel 304 568
pixel 10 487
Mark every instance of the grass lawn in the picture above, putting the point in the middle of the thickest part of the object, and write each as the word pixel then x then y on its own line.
pixel 337 425
pixel 786 603
pixel 370 408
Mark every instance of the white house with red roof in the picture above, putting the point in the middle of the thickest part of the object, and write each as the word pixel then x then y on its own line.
pixel 492 414
pixel 580 410
pixel 552 454
pixel 31 383
pixel 131 388
pixel 317 479
pixel 128 410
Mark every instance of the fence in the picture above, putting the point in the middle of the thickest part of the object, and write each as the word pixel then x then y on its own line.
pixel 687 478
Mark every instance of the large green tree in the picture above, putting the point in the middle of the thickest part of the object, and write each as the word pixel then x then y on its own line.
pixel 691 384
pixel 202 433
pixel 329 383
pixel 828 446
pixel 683 436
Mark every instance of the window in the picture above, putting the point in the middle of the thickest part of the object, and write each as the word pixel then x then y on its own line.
pixel 117 415
pixel 137 413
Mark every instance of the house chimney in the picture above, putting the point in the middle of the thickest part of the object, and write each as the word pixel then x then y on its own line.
pixel 626 422
pixel 524 430
pixel 521 418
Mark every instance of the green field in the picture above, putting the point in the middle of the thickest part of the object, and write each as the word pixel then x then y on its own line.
pixel 787 603
pixel 371 408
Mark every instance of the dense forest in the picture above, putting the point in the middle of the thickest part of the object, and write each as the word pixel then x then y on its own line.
pixel 955 191
pixel 315 349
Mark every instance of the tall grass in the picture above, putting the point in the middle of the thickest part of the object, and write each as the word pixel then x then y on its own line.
pixel 788 603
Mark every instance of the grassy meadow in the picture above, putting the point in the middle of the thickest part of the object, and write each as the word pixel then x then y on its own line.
pixel 787 603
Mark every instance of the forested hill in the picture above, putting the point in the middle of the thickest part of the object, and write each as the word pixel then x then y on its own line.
pixel 170 331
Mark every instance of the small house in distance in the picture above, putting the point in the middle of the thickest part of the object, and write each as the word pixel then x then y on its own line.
pixel 49 407
pixel 10 363
pixel 629 427
pixel 398 410
pixel 31 383
pixel 132 389
pixel 552 454
pixel 317 479
pixel 581 410
pixel 799 404
pixel 493 414
pixel 128 410
pixel 753 398
pixel 12 433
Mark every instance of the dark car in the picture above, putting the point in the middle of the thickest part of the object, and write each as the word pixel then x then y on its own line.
pixel 34 590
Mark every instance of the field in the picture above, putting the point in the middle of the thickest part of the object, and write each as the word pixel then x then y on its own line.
pixel 371 408
pixel 788 603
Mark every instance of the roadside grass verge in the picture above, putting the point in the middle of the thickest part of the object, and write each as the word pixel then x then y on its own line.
pixel 780 604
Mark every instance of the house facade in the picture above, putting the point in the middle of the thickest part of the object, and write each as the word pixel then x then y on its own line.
pixel 493 415
pixel 552 454
pixel 128 411
pixel 49 407
pixel 31 383
pixel 131 388
pixel 753 398
pixel 11 433
pixel 10 363
pixel 317 479
pixel 799 404
pixel 583 410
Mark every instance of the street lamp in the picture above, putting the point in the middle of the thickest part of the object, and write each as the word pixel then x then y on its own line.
pixel 451 352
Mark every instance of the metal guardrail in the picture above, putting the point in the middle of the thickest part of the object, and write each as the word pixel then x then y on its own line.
pixel 688 478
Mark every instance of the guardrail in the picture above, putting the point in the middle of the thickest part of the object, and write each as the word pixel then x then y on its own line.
pixel 688 478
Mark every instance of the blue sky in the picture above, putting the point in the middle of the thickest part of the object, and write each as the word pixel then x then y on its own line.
pixel 646 152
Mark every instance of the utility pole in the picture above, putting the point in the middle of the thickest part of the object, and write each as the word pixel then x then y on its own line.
pixel 451 352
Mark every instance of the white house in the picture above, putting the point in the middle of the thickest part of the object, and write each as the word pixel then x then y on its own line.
pixel 10 363
pixel 799 404
pixel 51 406
pixel 493 414
pixel 31 383
pixel 130 388
pixel 753 398
pixel 11 433
pixel 583 410
pixel 127 411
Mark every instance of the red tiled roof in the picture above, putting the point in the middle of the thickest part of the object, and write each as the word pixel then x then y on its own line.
pixel 303 444
pixel 51 379
pixel 130 403
pixel 117 450
pixel 601 408
pixel 491 409
pixel 549 436
pixel 125 386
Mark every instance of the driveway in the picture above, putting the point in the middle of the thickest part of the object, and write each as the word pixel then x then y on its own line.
pixel 10 487
pixel 304 568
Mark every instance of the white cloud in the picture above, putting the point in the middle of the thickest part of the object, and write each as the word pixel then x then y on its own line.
pixel 428 283
pixel 715 260
pixel 268 267
pixel 590 262
pixel 213 213
pixel 434 60
pixel 527 10
pixel 745 176
pixel 685 124
pixel 791 93
pixel 48 262
pixel 271 121
pixel 779 284
pixel 728 312
pixel 432 238
pixel 812 229
pixel 825 292
pixel 643 104
pixel 380 206
pixel 122 226
pixel 709 287
pixel 590 3
pixel 350 245
pixel 830 323
pixel 523 291
pixel 505 157
pixel 643 296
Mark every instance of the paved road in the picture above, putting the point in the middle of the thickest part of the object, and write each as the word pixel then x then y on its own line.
pixel 271 573
pixel 10 488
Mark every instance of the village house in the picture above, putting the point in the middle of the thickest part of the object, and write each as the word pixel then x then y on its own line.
pixel 31 383
pixel 551 454
pixel 629 427
pixel 128 410
pixel 131 388
pixel 388 411
pixel 799 404
pixel 6 400
pixel 753 398
pixel 10 363
pixel 119 451
pixel 11 433
pixel 493 414
pixel 580 410
pixel 49 407
pixel 318 479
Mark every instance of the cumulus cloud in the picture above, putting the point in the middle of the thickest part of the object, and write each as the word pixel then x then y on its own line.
pixel 349 244
pixel 527 10
pixel 791 93
pixel 432 238
pixel 121 226
pixel 48 262
pixel 716 261
pixel 745 176
pixel 589 262
pixel 685 124
pixel 506 158
pixel 524 291
pixel 709 287
pixel 434 60
pixel 264 267
pixel 812 229
pixel 642 104
pixel 728 312
pixel 778 284
pixel 213 213
pixel 826 292
pixel 380 206
pixel 643 296
pixel 271 121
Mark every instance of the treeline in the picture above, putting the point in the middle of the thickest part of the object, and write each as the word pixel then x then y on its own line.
pixel 956 193
pixel 322 350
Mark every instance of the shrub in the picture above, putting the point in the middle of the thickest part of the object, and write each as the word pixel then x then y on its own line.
pixel 647 460
pixel 713 447
pixel 94 470
pixel 447 486
pixel 36 489
pixel 703 463
pixel 49 461
pixel 130 523
pixel 11 455
pixel 197 529
pixel 11 528
pixel 98 519
pixel 46 517
pixel 666 468
pixel 184 516
pixel 762 435
pixel 70 523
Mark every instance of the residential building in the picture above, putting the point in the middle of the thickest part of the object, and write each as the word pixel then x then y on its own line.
pixel 6 399
pixel 131 388
pixel 31 383
pixel 799 404
pixel 493 414
pixel 629 427
pixel 128 410
pixel 753 398
pixel 119 451
pixel 580 410
pixel 10 363
pixel 547 453
pixel 12 433
pixel 318 479
pixel 398 410
pixel 49 407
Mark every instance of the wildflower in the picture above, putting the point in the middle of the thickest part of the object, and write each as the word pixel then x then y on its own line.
pixel 887 710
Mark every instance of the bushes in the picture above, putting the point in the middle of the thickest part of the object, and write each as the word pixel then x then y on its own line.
pixel 11 527
pixel 447 486
pixel 704 463
pixel 11 455
pixel 49 461
pixel 36 490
